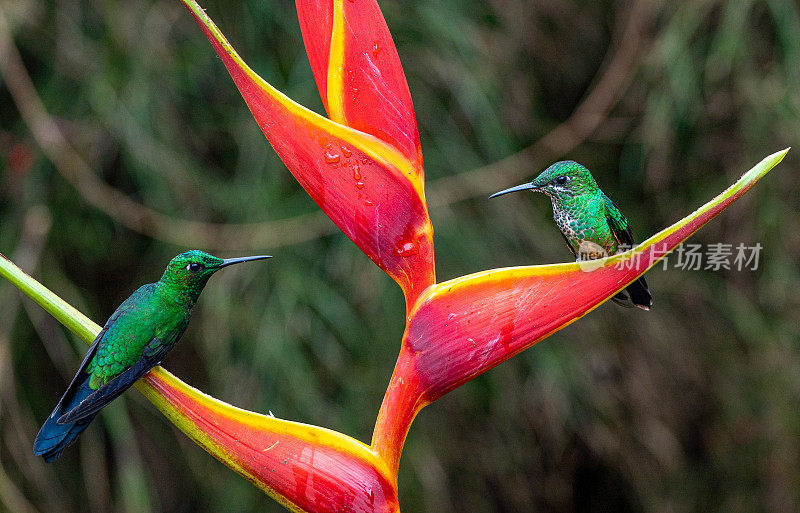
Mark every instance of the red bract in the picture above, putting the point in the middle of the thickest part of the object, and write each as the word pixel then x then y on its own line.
pixel 363 167
pixel 363 180
pixel 305 468
pixel 463 327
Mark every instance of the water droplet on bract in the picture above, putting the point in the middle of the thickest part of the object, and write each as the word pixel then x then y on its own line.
pixel 360 184
pixel 376 49
pixel 408 249
pixel 364 159
pixel 368 203
pixel 346 151
pixel 356 172
pixel 331 157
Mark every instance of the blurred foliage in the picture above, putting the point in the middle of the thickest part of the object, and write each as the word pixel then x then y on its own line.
pixel 691 407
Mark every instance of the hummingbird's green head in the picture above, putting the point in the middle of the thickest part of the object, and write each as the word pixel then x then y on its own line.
pixel 189 272
pixel 563 179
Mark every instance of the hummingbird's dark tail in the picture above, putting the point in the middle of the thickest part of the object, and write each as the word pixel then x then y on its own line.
pixel 54 437
pixel 636 294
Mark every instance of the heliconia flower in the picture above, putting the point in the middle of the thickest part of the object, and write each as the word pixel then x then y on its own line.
pixel 363 167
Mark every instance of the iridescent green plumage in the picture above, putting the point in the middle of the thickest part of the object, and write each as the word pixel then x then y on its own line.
pixel 135 338
pixel 590 222
pixel 146 320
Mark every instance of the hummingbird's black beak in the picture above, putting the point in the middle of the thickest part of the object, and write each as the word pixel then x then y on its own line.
pixel 231 261
pixel 523 187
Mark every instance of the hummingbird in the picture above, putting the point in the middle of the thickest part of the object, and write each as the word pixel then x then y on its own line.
pixel 139 333
pixel 591 224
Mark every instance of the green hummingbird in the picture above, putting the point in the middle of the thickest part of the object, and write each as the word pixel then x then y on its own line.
pixel 135 338
pixel 591 224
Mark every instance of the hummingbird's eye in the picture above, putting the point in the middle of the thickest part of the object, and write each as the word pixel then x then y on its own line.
pixel 194 267
pixel 561 180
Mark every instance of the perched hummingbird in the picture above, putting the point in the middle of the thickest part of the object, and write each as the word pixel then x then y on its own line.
pixel 591 224
pixel 135 338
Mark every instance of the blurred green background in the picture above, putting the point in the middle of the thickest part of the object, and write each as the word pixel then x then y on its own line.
pixel 691 407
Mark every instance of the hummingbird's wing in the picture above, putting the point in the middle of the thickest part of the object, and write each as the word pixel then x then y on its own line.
pixel 619 224
pixel 81 376
pixel 622 234
pixel 155 350
pixel 637 293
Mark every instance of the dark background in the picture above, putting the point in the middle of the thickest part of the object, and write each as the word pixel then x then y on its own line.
pixel 691 407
